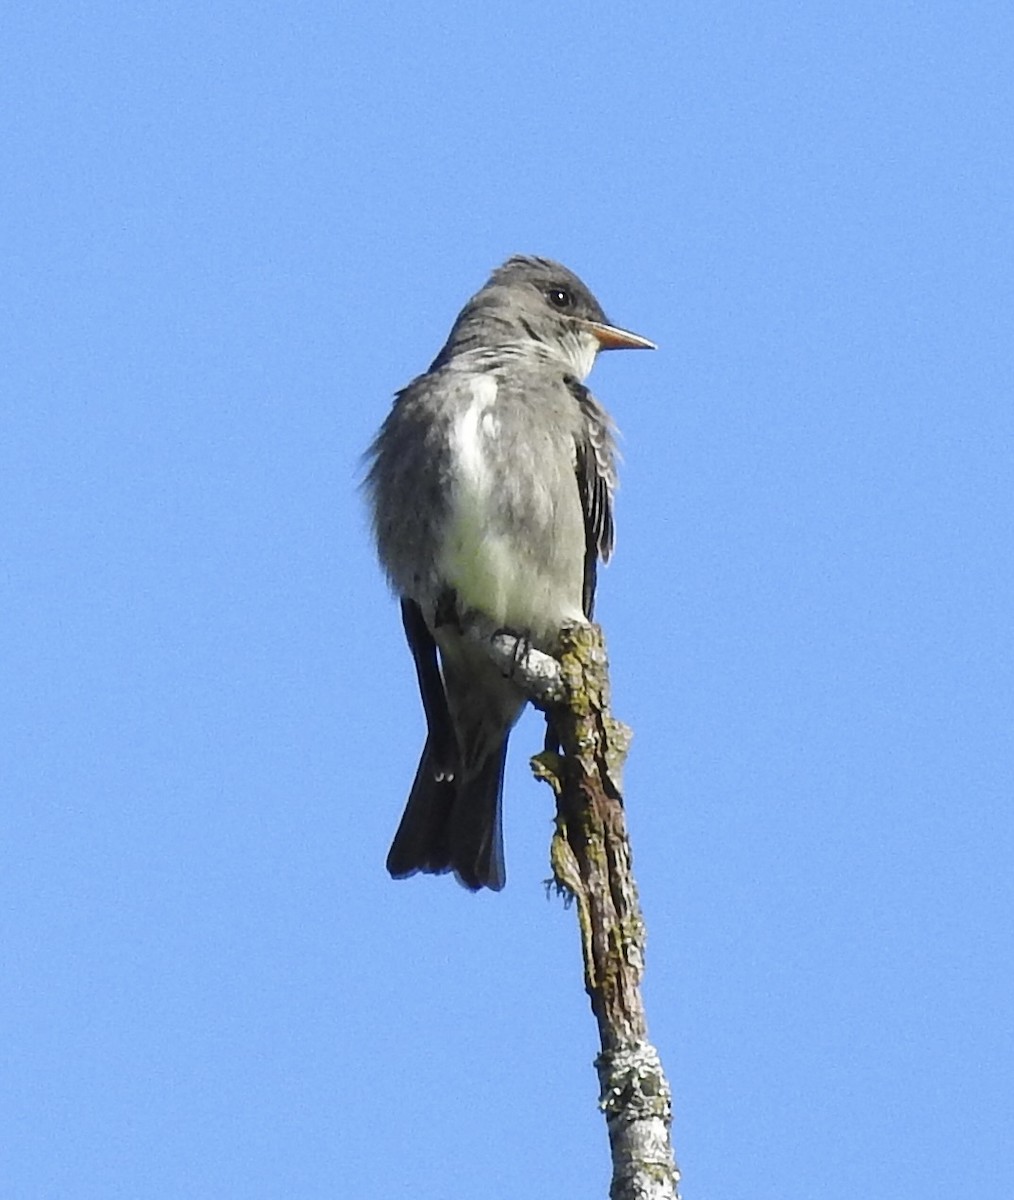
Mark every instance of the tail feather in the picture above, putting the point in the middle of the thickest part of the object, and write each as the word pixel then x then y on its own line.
pixel 476 831
pixel 421 842
pixel 453 824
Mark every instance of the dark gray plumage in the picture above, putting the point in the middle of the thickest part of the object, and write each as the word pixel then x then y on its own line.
pixel 491 484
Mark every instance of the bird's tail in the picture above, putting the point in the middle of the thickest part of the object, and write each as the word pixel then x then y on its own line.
pixel 453 823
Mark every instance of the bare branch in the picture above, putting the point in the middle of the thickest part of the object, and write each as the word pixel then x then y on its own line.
pixel 592 862
pixel 537 673
pixel 591 859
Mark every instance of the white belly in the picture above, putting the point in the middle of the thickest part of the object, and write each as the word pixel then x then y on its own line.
pixel 524 579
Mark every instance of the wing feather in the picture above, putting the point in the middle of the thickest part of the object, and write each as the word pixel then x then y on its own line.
pixel 595 464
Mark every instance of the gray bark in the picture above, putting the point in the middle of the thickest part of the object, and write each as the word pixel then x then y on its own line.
pixel 591 859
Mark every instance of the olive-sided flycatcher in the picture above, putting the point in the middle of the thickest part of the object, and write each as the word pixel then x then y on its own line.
pixel 491 484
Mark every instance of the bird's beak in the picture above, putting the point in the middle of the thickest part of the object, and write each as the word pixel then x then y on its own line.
pixel 611 338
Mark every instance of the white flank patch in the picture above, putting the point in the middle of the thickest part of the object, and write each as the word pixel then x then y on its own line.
pixel 478 562
pixel 490 425
pixel 470 431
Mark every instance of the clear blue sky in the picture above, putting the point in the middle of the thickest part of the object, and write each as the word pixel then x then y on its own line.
pixel 229 232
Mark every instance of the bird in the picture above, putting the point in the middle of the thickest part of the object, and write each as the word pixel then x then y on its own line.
pixel 490 486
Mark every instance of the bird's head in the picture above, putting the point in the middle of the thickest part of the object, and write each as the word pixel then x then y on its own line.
pixel 535 302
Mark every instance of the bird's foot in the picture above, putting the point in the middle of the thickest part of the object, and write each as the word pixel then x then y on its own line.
pixel 522 647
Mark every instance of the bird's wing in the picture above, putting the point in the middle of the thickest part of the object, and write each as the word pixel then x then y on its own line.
pixel 443 743
pixel 596 481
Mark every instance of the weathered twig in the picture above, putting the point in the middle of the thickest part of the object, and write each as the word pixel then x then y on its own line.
pixel 539 674
pixel 591 862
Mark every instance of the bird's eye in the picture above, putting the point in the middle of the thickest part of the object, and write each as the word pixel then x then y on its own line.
pixel 559 298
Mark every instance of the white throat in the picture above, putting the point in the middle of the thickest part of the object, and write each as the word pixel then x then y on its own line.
pixel 579 350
